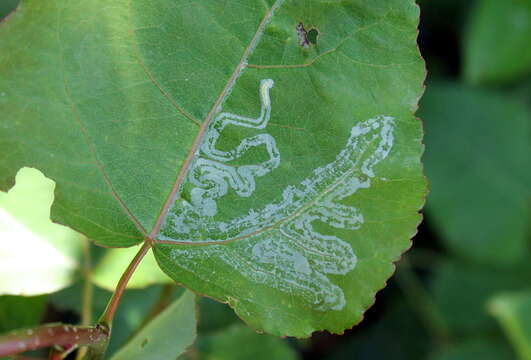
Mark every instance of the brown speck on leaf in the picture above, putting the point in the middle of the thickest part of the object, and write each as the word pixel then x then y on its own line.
pixel 303 35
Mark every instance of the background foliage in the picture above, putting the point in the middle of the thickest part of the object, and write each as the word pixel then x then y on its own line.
pixel 464 290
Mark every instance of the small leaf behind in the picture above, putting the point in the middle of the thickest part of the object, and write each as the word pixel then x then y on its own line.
pixel 167 335
pixel 513 311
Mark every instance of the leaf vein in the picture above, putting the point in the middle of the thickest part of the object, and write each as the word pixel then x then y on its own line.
pixel 210 116
pixel 87 138
pixel 152 78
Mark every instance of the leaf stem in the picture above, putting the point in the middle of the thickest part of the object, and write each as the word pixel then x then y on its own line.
pixel 86 307
pixel 65 336
pixel 108 315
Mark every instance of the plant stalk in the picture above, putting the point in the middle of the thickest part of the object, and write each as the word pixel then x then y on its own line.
pixel 108 315
pixel 64 336
pixel 86 307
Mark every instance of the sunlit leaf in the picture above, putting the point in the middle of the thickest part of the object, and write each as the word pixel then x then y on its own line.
pixel 36 255
pixel 275 169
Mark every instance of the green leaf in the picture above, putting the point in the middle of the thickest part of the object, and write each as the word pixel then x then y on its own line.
pixel 284 229
pixel 238 342
pixel 513 311
pixel 111 266
pixel 461 292
pixel 44 256
pixel 167 335
pixel 483 348
pixel 477 160
pixel 496 45
pixel 293 217
pixel 18 311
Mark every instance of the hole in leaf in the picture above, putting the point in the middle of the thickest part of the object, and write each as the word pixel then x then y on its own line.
pixel 312 35
pixel 303 36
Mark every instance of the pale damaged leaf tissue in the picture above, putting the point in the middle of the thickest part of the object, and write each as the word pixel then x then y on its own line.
pixel 278 244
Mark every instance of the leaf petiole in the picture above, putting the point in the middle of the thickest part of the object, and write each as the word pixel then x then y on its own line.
pixel 108 314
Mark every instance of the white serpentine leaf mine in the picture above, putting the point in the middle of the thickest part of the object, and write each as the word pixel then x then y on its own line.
pixel 277 245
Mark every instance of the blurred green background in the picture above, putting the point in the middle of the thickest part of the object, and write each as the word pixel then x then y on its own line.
pixel 463 292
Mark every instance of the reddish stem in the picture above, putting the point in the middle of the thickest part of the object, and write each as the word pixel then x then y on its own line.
pixel 108 315
pixel 44 336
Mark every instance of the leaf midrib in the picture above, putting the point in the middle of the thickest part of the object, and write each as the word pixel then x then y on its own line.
pixel 210 116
